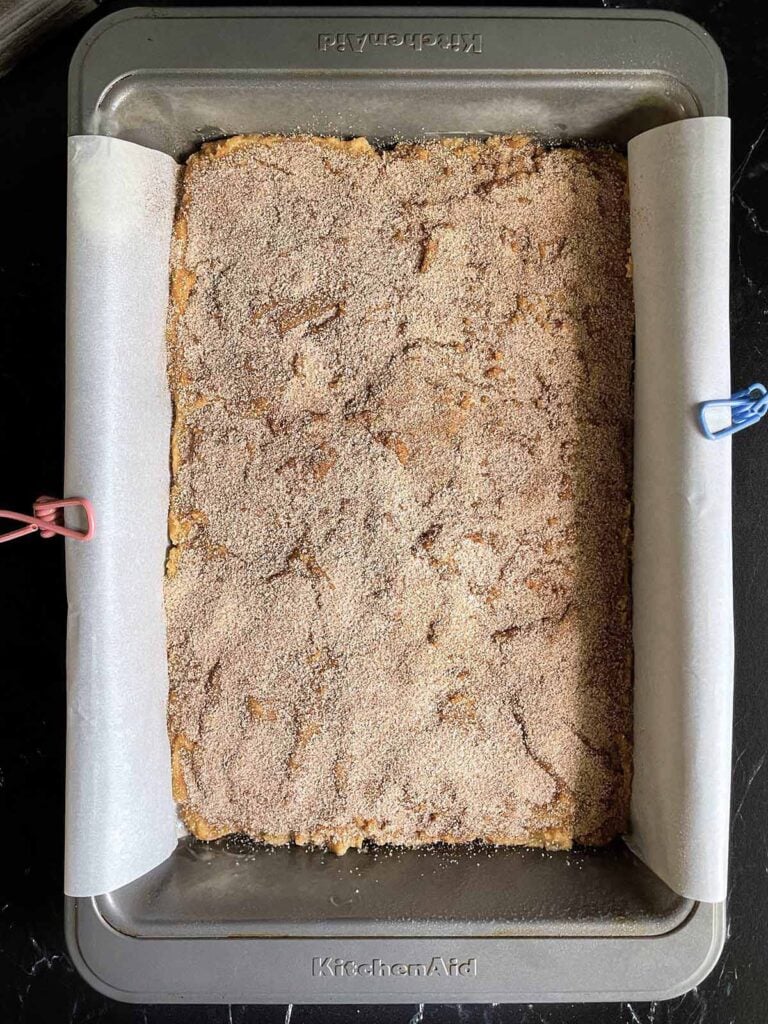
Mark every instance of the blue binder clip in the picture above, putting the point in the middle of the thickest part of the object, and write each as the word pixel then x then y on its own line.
pixel 747 407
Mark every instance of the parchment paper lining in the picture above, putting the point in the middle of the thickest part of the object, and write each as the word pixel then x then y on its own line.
pixel 121 819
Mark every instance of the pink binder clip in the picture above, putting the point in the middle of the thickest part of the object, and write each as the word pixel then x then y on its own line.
pixel 48 519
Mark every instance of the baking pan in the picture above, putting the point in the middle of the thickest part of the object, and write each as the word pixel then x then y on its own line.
pixel 225 922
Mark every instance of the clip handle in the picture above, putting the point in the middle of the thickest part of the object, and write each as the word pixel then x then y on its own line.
pixel 48 519
pixel 747 406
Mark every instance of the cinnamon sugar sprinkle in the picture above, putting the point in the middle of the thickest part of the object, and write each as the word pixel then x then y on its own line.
pixel 397 599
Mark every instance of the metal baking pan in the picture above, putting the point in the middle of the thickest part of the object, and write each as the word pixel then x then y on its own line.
pixel 227 923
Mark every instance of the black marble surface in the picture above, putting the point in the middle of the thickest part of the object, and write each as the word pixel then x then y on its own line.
pixel 37 981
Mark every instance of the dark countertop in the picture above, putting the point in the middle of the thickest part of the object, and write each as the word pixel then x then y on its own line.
pixel 37 981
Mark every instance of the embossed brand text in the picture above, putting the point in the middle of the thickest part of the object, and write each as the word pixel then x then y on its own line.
pixel 353 42
pixel 437 967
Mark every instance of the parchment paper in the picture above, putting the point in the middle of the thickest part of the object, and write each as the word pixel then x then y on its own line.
pixel 679 178
pixel 120 816
pixel 121 820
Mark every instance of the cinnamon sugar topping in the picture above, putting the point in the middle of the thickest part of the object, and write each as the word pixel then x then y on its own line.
pixel 398 594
